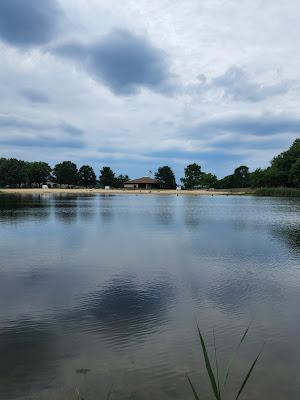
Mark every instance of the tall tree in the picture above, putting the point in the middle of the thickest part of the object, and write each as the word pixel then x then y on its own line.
pixel 166 176
pixel 241 176
pixel 107 177
pixel 2 176
pixel 282 164
pixel 87 176
pixel 258 178
pixel 208 180
pixel 294 174
pixel 66 173
pixel 119 180
pixel 192 176
pixel 13 172
pixel 39 172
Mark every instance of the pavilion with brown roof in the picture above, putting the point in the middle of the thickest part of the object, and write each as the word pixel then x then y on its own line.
pixel 142 183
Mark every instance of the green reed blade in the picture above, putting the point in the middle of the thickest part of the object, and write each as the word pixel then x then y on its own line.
pixel 216 363
pixel 248 375
pixel 208 367
pixel 109 393
pixel 231 362
pixel 193 389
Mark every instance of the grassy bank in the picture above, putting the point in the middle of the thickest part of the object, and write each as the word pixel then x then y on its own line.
pixel 278 192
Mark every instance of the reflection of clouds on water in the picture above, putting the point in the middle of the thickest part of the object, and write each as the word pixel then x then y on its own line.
pixel 28 352
pixel 112 283
pixel 31 348
pixel 39 292
pixel 125 308
pixel 237 293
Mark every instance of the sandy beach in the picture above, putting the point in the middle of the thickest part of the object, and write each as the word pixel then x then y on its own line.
pixel 135 192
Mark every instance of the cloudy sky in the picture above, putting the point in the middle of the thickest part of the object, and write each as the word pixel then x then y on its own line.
pixel 140 84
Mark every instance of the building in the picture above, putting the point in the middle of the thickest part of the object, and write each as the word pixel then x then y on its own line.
pixel 143 183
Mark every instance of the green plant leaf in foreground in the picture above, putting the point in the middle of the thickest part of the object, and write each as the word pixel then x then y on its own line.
pixel 217 365
pixel 208 367
pixel 231 362
pixel 215 380
pixel 248 375
pixel 193 389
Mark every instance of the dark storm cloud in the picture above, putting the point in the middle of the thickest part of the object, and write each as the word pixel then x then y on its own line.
pixel 28 22
pixel 35 96
pixel 257 125
pixel 122 61
pixel 237 85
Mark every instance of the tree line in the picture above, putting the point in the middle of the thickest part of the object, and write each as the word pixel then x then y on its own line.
pixel 283 171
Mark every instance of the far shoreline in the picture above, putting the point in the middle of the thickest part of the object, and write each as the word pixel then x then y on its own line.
pixel 198 192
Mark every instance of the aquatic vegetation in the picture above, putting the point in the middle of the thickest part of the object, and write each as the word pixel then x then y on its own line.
pixel 217 385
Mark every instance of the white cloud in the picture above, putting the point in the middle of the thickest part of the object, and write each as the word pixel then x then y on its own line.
pixel 212 38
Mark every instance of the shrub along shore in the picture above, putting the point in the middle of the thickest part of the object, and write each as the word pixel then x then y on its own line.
pixel 278 192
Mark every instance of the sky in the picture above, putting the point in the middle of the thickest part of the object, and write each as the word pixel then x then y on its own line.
pixel 141 84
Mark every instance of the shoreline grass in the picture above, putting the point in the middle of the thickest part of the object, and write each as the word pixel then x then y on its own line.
pixel 278 192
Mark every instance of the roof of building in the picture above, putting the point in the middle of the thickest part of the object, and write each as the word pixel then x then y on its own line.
pixel 144 179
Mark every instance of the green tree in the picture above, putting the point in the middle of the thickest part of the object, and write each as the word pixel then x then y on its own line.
pixel 120 180
pixel 258 178
pixel 294 174
pixel 208 180
pixel 226 183
pixel 107 177
pixel 282 164
pixel 13 172
pixel 166 176
pixel 2 177
pixel 66 173
pixel 241 176
pixel 39 172
pixel 87 176
pixel 192 176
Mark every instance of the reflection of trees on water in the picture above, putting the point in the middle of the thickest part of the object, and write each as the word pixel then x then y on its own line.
pixel 66 209
pixel 70 207
pixel 107 207
pixel 40 206
pixel 164 210
pixel 192 212
pixel 23 207
pixel 290 236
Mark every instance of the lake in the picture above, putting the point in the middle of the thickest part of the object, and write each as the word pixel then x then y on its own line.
pixel 103 292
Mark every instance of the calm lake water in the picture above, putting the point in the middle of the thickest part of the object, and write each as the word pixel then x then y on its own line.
pixel 101 292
